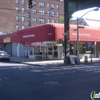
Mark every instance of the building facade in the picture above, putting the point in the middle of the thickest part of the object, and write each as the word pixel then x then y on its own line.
pixel 47 41
pixel 15 14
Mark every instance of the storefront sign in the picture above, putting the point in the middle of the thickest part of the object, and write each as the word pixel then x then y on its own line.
pixel 7 39
pixel 33 44
pixel 49 33
pixel 81 34
pixel 51 43
pixel 27 36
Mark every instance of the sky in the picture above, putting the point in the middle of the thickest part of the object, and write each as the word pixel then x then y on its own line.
pixel 90 15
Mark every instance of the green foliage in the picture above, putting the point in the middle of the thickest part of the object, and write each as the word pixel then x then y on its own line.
pixel 61 19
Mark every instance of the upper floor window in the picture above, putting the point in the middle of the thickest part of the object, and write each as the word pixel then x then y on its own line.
pixel 42 20
pixel 57 14
pixel 17 1
pixel 34 19
pixel 34 3
pixel 41 4
pixel 41 12
pixel 48 5
pixel 17 9
pixel 29 15
pixel 34 11
pixel 23 10
pixel 17 18
pixel 53 6
pixel 57 6
pixel 17 27
pixel 48 21
pixel 57 21
pixel 48 13
pixel 29 23
pixel 23 26
pixel 53 21
pixel 23 1
pixel 23 18
pixel 53 13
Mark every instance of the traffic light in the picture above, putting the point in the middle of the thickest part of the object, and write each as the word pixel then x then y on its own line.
pixel 30 5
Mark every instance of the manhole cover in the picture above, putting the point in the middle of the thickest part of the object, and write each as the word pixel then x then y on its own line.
pixel 51 82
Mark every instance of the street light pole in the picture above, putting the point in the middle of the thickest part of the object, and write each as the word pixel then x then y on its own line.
pixel 77 42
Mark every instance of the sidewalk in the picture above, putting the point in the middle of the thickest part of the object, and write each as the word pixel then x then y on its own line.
pixel 35 62
pixel 45 62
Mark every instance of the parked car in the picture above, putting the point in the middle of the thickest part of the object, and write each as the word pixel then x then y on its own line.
pixel 4 55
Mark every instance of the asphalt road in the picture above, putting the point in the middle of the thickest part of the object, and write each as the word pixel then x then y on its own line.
pixel 24 82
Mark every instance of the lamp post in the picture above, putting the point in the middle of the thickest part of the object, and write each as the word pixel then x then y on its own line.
pixel 77 42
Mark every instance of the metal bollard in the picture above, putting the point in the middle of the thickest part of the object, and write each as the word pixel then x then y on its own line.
pixel 85 59
pixel 91 58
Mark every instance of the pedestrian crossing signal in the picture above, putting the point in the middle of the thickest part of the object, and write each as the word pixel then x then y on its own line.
pixel 30 5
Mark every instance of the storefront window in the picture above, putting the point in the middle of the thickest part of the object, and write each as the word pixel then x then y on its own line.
pixel 55 47
pixel 55 54
pixel 86 48
pixel 50 50
pixel 37 51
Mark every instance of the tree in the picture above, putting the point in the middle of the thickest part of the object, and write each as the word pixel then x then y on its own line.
pixel 61 19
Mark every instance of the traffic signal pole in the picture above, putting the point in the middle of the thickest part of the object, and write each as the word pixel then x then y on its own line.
pixel 30 4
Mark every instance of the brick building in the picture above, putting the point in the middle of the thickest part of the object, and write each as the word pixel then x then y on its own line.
pixel 15 14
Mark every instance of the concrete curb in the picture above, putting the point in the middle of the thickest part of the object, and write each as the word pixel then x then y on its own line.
pixel 54 64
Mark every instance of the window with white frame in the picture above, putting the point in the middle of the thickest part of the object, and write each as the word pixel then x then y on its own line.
pixel 23 10
pixel 57 6
pixel 34 19
pixel 53 6
pixel 48 21
pixel 41 4
pixel 23 26
pixel 48 5
pixel 34 3
pixel 17 18
pixel 23 1
pixel 29 14
pixel 34 11
pixel 23 18
pixel 29 23
pixel 57 14
pixel 41 12
pixel 17 27
pixel 53 20
pixel 17 1
pixel 57 21
pixel 17 9
pixel 48 13
pixel 42 20
pixel 53 13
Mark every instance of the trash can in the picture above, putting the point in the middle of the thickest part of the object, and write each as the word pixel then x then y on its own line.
pixel 86 59
pixel 76 60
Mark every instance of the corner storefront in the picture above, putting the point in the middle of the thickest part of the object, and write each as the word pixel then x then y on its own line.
pixel 46 41
pixel 89 37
